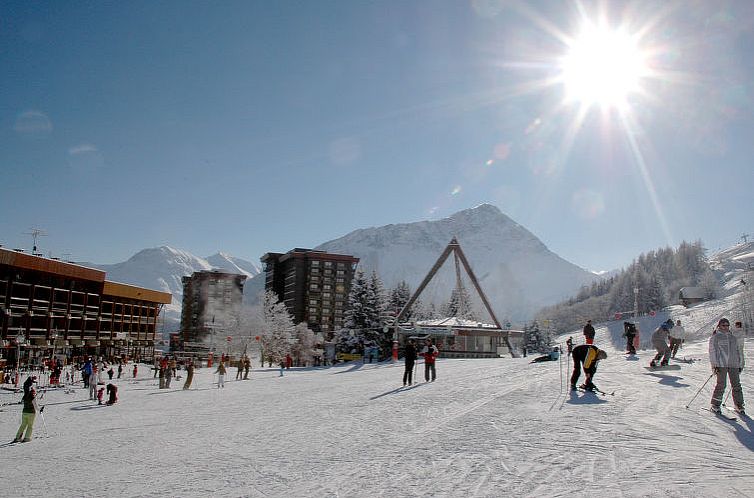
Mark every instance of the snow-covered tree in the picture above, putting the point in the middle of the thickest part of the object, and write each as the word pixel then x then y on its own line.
pixel 277 328
pixel 303 349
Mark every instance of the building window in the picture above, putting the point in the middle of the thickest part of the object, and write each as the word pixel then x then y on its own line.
pixel 328 264
pixel 340 280
pixel 315 271
pixel 313 287
pixel 325 295
pixel 328 272
pixel 313 302
pixel 312 311
pixel 341 273
pixel 327 287
pixel 315 263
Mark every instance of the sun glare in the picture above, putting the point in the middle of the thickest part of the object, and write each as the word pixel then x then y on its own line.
pixel 602 67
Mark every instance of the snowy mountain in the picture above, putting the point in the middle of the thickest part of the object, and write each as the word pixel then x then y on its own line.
pixel 162 268
pixel 518 273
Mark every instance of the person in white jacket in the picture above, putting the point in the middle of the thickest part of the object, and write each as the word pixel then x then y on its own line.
pixel 724 357
pixel 677 335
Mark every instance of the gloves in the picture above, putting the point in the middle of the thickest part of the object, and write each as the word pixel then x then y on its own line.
pixel 715 369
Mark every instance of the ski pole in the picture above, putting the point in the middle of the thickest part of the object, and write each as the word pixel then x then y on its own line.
pixel 560 365
pixel 727 396
pixel 44 423
pixel 700 389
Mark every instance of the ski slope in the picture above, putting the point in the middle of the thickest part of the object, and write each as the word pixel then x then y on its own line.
pixel 503 427
pixel 495 427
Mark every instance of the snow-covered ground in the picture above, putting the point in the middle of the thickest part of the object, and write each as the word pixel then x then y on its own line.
pixel 502 427
pixel 498 427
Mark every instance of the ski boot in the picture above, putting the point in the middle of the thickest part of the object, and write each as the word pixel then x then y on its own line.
pixel 663 363
pixel 653 364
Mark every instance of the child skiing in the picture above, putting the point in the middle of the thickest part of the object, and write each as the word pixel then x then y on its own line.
pixel 429 352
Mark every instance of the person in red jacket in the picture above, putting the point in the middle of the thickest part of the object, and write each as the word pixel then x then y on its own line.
pixel 429 352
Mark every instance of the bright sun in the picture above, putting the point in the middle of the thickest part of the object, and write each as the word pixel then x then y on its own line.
pixel 602 67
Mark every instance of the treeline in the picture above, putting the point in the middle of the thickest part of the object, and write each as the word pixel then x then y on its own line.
pixel 658 275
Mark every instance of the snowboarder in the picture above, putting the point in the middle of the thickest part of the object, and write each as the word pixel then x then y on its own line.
pixel 660 343
pixel 112 394
pixel 726 363
pixel 629 332
pixel 410 360
pixel 429 352
pixel 220 374
pixel 551 356
pixel 28 414
pixel 587 355
pixel 589 332
pixel 677 337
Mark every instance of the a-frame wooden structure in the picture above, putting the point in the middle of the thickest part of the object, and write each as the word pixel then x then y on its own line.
pixel 459 256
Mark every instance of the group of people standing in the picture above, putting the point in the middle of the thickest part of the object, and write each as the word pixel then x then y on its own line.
pixel 430 353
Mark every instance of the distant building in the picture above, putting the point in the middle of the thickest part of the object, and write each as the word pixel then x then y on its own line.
pixel 56 307
pixel 691 295
pixel 460 338
pixel 314 285
pixel 212 302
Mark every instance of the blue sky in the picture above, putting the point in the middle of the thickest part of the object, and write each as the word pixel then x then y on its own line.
pixel 258 126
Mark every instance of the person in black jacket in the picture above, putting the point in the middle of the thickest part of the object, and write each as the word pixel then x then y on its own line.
pixel 410 360
pixel 588 355
pixel 28 414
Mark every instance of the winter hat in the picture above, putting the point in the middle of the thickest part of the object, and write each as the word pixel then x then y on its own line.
pixel 723 321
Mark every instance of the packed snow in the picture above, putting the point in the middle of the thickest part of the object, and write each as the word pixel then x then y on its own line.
pixel 495 427
pixel 485 427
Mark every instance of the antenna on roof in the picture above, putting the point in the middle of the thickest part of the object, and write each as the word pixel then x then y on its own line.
pixel 35 234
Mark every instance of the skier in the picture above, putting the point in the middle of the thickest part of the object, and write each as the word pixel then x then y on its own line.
pixel 239 372
pixel 168 377
pixel 569 344
pixel 740 335
pixel 86 372
pixel 136 369
pixel 660 343
pixel 677 337
pixel 100 395
pixel 220 374
pixel 629 332
pixel 589 332
pixel 410 359
pixel 29 382
pixel 189 374
pixel 28 414
pixel 429 352
pixel 93 383
pixel 246 366
pixel 551 356
pixel 120 369
pixel 588 355
pixel 110 373
pixel 112 394
pixel 726 363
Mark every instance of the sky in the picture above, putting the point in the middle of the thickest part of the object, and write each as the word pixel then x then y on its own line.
pixel 251 126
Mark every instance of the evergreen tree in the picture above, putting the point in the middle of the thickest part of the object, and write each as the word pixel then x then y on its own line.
pixel 459 304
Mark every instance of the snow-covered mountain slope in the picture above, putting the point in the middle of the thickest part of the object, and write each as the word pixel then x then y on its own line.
pixel 515 269
pixel 162 268
pixel 232 264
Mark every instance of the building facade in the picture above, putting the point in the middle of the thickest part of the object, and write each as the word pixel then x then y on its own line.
pixel 68 308
pixel 212 302
pixel 314 285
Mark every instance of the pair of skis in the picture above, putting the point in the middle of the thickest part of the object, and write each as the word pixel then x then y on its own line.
pixel 723 413
pixel 595 390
